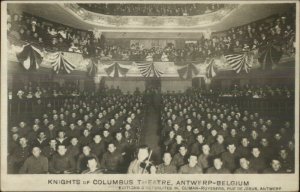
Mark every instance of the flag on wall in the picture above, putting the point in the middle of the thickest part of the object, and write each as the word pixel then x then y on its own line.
pixel 189 71
pixel 116 70
pixel 149 70
pixel 210 69
pixel 240 62
pixel 30 57
pixel 60 64
pixel 269 55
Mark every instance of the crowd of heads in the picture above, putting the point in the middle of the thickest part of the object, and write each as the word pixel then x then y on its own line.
pixel 105 128
pixel 279 29
pixel 152 9
pixel 199 134
pixel 50 35
pixel 219 137
pixel 266 91
pixel 34 90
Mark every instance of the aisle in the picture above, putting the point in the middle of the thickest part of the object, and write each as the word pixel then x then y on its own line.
pixel 151 134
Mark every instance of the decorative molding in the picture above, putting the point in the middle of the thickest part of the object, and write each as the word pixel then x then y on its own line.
pixel 150 22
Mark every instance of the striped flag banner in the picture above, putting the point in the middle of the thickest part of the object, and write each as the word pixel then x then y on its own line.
pixel 116 70
pixel 189 71
pixel 60 64
pixel 149 70
pixel 210 69
pixel 240 62
pixel 92 67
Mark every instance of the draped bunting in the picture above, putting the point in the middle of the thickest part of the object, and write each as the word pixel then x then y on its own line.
pixel 30 57
pixel 240 62
pixel 92 67
pixel 210 70
pixel 270 55
pixel 116 70
pixel 149 69
pixel 189 71
pixel 59 63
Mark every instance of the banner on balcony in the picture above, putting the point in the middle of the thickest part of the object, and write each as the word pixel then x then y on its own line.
pixel 116 70
pixel 149 69
pixel 30 57
pixel 189 71
pixel 240 62
pixel 59 63
pixel 210 70
pixel 92 67
pixel 269 56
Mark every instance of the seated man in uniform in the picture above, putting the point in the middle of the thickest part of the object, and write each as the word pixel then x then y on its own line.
pixel 180 158
pixel 218 167
pixel 93 166
pixel 244 167
pixel 83 157
pixel 62 163
pixel 192 167
pixel 20 154
pixel 35 164
pixel 204 158
pixel 257 162
pixel 229 157
pixel 112 160
pixel 166 167
pixel 275 167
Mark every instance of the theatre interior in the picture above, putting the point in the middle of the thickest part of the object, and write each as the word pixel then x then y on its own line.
pixel 148 88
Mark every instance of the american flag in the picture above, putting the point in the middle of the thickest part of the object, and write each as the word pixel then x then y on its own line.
pixel 210 70
pixel 30 57
pixel 149 70
pixel 240 62
pixel 59 63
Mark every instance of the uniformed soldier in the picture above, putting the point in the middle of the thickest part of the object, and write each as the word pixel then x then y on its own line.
pixel 61 138
pixel 196 148
pixel 243 149
pixel 275 167
pixel 61 163
pixel 257 162
pixel 73 149
pixel 229 157
pixel 218 147
pixel 20 154
pixel 41 140
pixel 244 167
pixel 49 150
pixel 166 167
pixel 35 164
pixel 180 158
pixel 83 157
pixel 92 167
pixel 192 167
pixel 72 131
pixel 98 146
pixel 112 160
pixel 86 138
pixel 218 167
pixel 204 158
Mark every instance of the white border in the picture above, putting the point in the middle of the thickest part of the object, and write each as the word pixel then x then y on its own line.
pixel 287 182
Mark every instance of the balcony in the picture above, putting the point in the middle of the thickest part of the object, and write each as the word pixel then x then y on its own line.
pixel 149 22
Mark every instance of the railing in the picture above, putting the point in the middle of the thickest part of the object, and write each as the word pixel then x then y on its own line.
pixel 149 22
pixel 274 106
